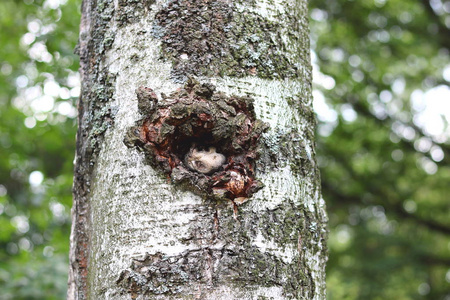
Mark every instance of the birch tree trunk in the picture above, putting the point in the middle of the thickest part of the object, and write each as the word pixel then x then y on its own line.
pixel 138 235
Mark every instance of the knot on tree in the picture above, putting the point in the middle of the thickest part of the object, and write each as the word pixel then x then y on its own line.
pixel 200 137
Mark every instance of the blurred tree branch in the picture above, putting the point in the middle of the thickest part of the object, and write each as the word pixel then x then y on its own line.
pixel 396 208
pixel 404 144
pixel 394 204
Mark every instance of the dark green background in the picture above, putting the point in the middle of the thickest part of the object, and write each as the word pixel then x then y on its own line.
pixel 386 180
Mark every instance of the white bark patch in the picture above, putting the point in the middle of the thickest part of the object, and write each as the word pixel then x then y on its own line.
pixel 269 9
pixel 251 293
pixel 317 272
pixel 285 252
pixel 270 96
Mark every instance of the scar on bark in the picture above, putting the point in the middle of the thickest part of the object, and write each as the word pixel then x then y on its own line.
pixel 202 139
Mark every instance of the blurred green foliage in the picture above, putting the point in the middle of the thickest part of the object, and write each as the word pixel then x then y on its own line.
pixel 383 102
pixel 385 171
pixel 39 85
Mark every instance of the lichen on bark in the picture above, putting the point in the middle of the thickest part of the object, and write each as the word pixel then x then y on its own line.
pixel 95 116
pixel 132 11
pixel 211 38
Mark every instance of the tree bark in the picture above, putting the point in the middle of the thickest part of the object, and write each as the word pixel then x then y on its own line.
pixel 138 234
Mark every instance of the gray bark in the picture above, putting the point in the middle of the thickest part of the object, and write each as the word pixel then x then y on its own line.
pixel 135 234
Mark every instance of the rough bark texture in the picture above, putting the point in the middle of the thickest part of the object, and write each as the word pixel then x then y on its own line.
pixel 137 234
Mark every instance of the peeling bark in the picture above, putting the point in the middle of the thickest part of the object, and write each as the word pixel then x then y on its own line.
pixel 136 233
